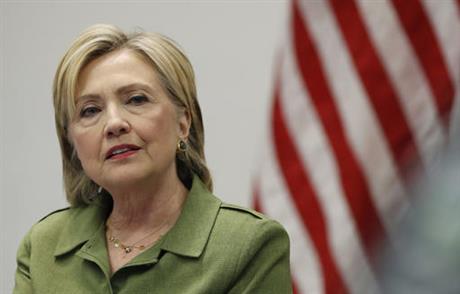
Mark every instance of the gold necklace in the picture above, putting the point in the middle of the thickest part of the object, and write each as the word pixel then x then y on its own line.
pixel 129 248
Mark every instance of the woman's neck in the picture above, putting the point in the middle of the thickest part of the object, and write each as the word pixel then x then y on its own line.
pixel 145 208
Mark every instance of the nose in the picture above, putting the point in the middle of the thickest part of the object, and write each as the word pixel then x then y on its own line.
pixel 116 123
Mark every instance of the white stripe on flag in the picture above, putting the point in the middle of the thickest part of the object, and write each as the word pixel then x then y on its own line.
pixel 445 20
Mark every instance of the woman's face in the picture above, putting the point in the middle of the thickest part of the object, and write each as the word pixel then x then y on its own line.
pixel 125 129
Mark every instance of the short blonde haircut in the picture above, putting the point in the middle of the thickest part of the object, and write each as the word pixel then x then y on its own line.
pixel 176 76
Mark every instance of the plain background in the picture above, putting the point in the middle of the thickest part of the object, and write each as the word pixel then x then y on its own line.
pixel 231 44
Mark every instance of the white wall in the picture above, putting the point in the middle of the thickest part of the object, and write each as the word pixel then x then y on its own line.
pixel 231 45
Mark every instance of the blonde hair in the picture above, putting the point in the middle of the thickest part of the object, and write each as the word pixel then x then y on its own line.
pixel 176 76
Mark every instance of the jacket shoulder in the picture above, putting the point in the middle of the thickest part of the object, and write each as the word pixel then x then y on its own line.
pixel 236 209
pixel 257 248
pixel 57 211
pixel 251 242
pixel 51 224
pixel 45 232
pixel 245 221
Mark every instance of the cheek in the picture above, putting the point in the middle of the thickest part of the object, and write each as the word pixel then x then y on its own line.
pixel 160 126
pixel 85 143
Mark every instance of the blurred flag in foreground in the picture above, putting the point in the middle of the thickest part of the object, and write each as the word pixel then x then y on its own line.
pixel 427 259
pixel 365 96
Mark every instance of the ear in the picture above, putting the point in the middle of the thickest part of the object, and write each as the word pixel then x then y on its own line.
pixel 184 122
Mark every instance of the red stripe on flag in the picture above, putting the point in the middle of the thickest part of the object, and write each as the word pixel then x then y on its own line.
pixel 417 26
pixel 294 288
pixel 380 90
pixel 304 198
pixel 353 181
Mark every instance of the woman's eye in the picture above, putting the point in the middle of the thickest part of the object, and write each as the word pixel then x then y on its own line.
pixel 137 100
pixel 89 111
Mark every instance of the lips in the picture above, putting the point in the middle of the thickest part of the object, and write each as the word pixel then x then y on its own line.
pixel 121 149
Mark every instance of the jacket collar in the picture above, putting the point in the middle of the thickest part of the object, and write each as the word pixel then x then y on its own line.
pixel 191 232
pixel 83 224
pixel 188 237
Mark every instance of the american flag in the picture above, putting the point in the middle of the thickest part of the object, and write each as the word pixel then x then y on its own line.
pixel 365 96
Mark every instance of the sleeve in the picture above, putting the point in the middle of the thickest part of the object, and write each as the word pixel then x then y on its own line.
pixel 23 283
pixel 264 262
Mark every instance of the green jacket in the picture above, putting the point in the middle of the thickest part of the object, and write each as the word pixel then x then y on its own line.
pixel 213 248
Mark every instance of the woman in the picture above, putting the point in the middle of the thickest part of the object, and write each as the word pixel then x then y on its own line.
pixel 142 218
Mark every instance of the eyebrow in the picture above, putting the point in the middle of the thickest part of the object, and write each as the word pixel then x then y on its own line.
pixel 119 91
pixel 134 86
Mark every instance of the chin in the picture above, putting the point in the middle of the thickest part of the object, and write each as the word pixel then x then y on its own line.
pixel 124 179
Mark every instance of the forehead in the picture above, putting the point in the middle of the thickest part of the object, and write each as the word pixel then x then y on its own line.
pixel 116 69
